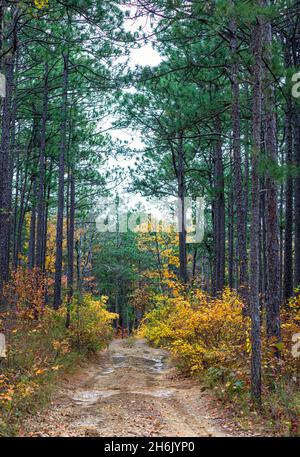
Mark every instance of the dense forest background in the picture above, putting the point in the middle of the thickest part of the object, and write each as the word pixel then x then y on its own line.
pixel 218 118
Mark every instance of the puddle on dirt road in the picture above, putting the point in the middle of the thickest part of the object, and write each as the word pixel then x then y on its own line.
pixel 155 393
pixel 86 421
pixel 159 365
pixel 120 361
pixel 119 358
pixel 104 373
pixel 90 397
pixel 107 371
pixel 156 365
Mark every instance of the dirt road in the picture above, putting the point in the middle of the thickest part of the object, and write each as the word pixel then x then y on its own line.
pixel 129 391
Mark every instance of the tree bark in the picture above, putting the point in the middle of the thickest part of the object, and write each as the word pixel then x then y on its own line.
pixel 272 226
pixel 288 270
pixel 32 236
pixel 41 189
pixel 297 199
pixel 219 212
pixel 5 174
pixel 239 193
pixel 71 231
pixel 60 199
pixel 288 233
pixel 181 213
pixel 296 133
pixel 257 43
pixel 230 241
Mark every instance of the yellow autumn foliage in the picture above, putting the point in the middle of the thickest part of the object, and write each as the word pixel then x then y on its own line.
pixel 39 346
pixel 91 323
pixel 199 330
pixel 206 333
pixel 41 3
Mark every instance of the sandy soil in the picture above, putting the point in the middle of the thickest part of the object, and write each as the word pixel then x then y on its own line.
pixel 130 391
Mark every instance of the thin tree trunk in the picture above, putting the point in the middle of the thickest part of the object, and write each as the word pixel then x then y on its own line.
pixel 219 212
pixel 5 174
pixel 230 241
pixel 41 188
pixel 181 214
pixel 288 233
pixel 237 170
pixel 6 152
pixel 262 243
pixel 281 235
pixel 194 262
pixel 60 200
pixel 272 226
pixel 45 233
pixel 71 230
pixel 296 133
pixel 32 236
pixel 297 199
pixel 24 198
pixel 257 43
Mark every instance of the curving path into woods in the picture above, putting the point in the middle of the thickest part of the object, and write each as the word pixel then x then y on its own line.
pixel 130 391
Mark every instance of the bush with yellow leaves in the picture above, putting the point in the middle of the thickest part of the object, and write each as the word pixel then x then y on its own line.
pixel 91 324
pixel 207 332
pixel 39 346
pixel 199 330
pixel 211 336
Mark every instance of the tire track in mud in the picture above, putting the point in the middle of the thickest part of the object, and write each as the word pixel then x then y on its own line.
pixel 128 391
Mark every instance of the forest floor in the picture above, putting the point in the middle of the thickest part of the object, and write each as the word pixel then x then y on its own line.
pixel 131 389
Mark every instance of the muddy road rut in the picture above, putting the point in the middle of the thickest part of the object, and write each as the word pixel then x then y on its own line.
pixel 129 391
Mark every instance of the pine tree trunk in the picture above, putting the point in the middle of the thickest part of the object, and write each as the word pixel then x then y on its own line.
pixel 48 193
pixel 7 140
pixel 272 226
pixel 25 190
pixel 60 199
pixel 194 262
pixel 237 170
pixel 41 189
pixel 219 213
pixel 296 132
pixel 297 199
pixel 288 233
pixel 71 231
pixel 181 214
pixel 32 236
pixel 230 241
pixel 288 272
pixel 5 174
pixel 257 42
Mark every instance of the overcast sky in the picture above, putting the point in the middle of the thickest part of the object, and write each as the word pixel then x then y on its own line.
pixel 142 56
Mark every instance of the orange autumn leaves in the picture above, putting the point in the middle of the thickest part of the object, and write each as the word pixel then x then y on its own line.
pixel 38 343
pixel 25 293
pixel 206 333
